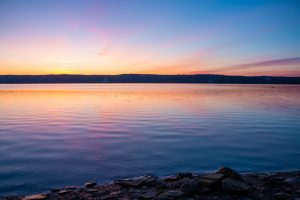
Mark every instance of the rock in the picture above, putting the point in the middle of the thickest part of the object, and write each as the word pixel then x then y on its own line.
pixel 70 187
pixel 261 189
pixel 91 190
pixel 90 184
pixel 281 196
pixel 274 181
pixel 190 188
pixel 210 180
pixel 172 193
pixel 107 197
pixel 235 186
pixel 273 175
pixel 35 197
pixel 176 184
pixel 173 185
pixel 148 195
pixel 245 198
pixel 287 189
pixel 162 198
pixel 111 187
pixel 205 190
pixel 149 181
pixel 230 173
pixel 127 183
pixel 115 193
pixel 187 186
pixel 136 182
pixel 161 185
pixel 170 178
pixel 185 175
pixel 55 190
pixel 293 181
pixel 63 192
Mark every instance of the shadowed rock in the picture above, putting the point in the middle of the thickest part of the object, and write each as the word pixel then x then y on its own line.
pixel 90 184
pixel 171 178
pixel 235 186
pixel 211 180
pixel 190 187
pixel 226 184
pixel 229 173
pixel 136 182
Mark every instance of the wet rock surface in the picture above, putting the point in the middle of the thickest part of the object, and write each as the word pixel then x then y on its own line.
pixel 223 184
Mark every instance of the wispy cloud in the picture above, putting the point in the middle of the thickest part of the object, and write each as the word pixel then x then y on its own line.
pixel 274 62
pixel 264 63
pixel 105 50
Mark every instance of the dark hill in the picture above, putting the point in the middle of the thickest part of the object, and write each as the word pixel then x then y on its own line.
pixel 148 78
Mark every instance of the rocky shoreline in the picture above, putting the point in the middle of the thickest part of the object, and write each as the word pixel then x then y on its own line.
pixel 223 184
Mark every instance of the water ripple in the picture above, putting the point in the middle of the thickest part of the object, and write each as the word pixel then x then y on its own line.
pixel 56 135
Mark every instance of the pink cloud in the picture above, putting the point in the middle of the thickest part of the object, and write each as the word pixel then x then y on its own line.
pixel 258 68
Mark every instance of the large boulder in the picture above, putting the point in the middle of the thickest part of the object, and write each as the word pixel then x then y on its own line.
pixel 230 173
pixel 211 180
pixel 190 187
pixel 137 182
pixel 235 186
pixel 171 178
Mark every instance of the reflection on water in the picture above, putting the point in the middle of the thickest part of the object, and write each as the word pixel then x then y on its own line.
pixel 56 135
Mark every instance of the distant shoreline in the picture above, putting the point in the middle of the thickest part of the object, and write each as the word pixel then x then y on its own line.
pixel 146 78
pixel 223 184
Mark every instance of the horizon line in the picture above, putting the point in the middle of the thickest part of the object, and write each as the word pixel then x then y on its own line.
pixel 143 74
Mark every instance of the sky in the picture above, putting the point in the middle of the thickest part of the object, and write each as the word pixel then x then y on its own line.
pixel 232 37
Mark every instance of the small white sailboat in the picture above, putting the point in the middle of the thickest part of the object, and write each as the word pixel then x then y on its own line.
pixel 105 80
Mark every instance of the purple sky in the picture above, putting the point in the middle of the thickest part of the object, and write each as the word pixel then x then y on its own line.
pixel 251 37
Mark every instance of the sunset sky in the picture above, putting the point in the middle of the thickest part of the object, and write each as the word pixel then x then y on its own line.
pixel 254 37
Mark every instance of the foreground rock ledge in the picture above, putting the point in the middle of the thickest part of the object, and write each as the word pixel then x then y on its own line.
pixel 223 184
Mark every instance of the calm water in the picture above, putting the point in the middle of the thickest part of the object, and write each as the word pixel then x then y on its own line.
pixel 57 135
